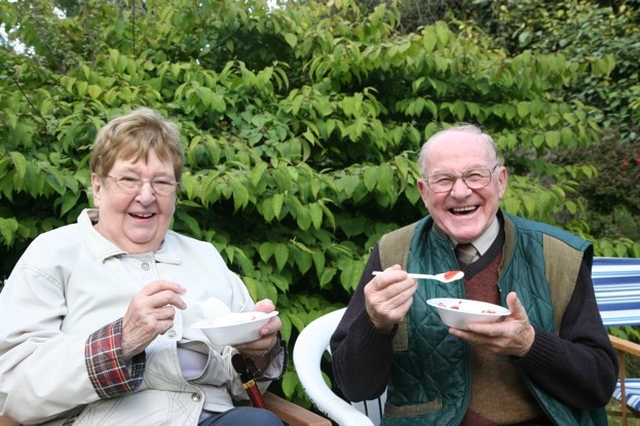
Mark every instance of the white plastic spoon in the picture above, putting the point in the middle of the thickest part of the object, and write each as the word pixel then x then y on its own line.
pixel 445 277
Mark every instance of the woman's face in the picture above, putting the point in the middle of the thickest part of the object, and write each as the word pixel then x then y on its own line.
pixel 136 222
pixel 463 213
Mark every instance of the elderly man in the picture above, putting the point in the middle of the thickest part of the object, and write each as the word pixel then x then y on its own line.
pixel 550 362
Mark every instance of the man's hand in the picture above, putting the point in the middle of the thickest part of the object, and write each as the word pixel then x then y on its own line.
pixel 150 313
pixel 388 297
pixel 513 336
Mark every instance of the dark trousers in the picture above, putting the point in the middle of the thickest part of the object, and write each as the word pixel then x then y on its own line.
pixel 243 416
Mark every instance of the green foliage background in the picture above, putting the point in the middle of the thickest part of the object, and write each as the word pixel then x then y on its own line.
pixel 300 123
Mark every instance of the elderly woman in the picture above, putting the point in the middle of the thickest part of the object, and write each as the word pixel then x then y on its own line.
pixel 93 326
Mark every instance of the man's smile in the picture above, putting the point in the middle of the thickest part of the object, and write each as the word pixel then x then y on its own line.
pixel 463 210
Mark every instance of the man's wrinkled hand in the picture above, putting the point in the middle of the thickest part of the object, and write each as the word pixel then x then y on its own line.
pixel 513 336
pixel 388 297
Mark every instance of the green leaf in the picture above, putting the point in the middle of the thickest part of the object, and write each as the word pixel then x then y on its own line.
pixel 252 287
pixel 303 260
pixel 281 252
pixel 316 215
pixel 20 163
pixel 286 327
pixel 523 109
pixel 281 284
pixel 8 228
pixel 81 88
pixel 69 201
pixel 291 39
pixel 350 276
pixel 278 200
pixel 385 178
pixel 319 262
pixel 553 139
pixel 370 178
pixel 303 218
pixel 55 179
pixel 267 210
pixel 240 193
pixel 326 276
pixel 266 250
pixel 289 383
pixel 94 91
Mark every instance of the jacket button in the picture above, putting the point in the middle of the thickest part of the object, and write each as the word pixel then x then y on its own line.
pixel 196 397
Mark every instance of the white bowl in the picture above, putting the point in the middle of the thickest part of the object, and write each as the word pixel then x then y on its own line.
pixel 234 328
pixel 459 313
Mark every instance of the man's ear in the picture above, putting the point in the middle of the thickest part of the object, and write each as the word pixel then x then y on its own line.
pixel 503 177
pixel 422 188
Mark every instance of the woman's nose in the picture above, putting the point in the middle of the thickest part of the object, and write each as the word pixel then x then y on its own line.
pixel 146 191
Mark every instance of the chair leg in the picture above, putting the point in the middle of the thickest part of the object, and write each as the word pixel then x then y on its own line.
pixel 623 392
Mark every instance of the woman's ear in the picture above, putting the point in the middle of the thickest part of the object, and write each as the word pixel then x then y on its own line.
pixel 96 187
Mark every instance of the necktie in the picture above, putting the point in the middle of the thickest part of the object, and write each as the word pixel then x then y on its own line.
pixel 465 253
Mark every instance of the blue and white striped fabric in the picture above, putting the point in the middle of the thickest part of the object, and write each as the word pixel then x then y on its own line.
pixel 617 286
pixel 632 392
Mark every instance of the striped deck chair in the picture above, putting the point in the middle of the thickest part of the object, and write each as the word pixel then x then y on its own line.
pixel 633 393
pixel 616 282
pixel 617 288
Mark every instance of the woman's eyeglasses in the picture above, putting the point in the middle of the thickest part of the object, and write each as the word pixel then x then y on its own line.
pixel 131 184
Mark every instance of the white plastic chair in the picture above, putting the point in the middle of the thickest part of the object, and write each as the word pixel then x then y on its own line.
pixel 310 346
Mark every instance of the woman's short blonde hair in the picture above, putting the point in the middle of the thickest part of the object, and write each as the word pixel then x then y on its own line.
pixel 133 136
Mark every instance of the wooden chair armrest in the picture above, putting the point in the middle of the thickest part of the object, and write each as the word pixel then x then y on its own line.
pixel 625 345
pixel 293 414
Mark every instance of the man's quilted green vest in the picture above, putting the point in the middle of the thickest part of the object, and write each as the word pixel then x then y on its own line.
pixel 418 393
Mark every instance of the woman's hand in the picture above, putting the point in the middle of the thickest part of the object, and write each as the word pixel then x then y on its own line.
pixel 262 347
pixel 150 314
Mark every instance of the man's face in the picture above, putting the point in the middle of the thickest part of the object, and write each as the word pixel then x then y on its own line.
pixel 462 213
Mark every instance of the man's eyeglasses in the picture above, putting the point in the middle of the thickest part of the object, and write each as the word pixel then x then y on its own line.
pixel 473 178
pixel 131 184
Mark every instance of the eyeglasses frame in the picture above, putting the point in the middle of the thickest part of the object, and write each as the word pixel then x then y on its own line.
pixel 141 182
pixel 461 176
